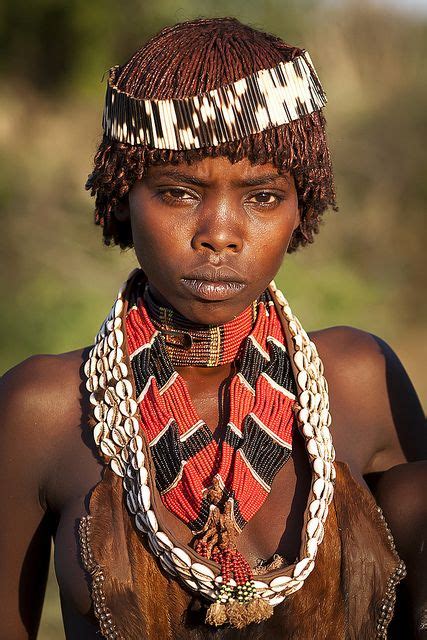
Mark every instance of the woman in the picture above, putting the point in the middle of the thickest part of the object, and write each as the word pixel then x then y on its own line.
pixel 184 463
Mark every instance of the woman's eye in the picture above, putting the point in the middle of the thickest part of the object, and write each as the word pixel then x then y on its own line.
pixel 176 195
pixel 265 198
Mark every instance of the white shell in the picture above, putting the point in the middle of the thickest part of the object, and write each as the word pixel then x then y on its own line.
pixel 102 365
pixel 108 448
pixel 110 396
pixel 183 571
pixel 320 532
pixel 293 327
pixel 301 566
pixel 302 379
pixel 113 417
pixel 128 407
pixel 163 541
pixel 100 431
pixel 180 557
pixel 202 572
pixel 314 508
pixel 312 447
pixel 300 360
pixel 319 467
pixel 314 418
pixel 115 339
pixel 312 526
pixel 114 323
pixel 120 371
pixel 317 400
pixel 100 412
pixel 152 520
pixel 119 436
pixel 131 426
pixel 142 475
pixel 308 430
pixel 144 497
pixel 318 487
pixel 117 466
pixel 115 355
pixel 124 389
pixel 280 583
pixel 299 342
pixel 138 460
pixel 304 398
pixel 312 547
pixel 92 383
pixel 104 379
pixel 190 583
pixel 118 308
pixel 136 444
pixel 304 415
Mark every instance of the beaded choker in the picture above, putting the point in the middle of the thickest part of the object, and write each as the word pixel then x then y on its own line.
pixel 190 344
pixel 138 414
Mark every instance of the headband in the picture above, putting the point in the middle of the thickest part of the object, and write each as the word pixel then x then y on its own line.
pixel 265 99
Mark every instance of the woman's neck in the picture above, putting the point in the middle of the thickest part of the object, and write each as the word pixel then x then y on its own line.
pixel 191 344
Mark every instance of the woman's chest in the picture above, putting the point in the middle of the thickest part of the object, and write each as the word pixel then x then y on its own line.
pixel 275 528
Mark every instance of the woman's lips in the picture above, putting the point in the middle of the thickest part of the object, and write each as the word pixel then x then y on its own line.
pixel 213 290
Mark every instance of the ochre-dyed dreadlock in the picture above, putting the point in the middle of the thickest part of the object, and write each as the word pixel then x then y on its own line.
pixel 191 58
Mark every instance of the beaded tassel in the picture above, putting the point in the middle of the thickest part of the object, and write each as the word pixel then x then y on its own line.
pixel 237 602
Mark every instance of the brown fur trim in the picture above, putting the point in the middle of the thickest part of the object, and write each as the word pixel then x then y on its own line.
pixel 340 600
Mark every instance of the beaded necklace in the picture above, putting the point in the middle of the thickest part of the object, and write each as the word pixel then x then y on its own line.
pixel 196 345
pixel 115 396
pixel 216 488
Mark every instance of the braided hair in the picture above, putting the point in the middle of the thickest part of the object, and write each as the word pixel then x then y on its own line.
pixel 194 57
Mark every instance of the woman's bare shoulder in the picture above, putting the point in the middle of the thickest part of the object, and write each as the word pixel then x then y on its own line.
pixel 369 383
pixel 40 398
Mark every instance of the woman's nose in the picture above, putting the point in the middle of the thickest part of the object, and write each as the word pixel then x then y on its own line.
pixel 218 233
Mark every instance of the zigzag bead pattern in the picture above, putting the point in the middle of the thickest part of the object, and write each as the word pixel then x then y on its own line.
pixel 116 433
pixel 268 98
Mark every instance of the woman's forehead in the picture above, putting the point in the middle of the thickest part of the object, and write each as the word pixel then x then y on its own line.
pixel 210 168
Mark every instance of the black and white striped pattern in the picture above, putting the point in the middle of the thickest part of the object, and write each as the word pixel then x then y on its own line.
pixel 268 98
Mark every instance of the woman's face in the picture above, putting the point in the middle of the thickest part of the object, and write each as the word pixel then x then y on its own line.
pixel 211 236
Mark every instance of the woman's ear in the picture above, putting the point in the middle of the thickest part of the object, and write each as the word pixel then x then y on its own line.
pixel 121 210
pixel 297 219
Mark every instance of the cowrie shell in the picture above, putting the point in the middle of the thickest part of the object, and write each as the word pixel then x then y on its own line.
pixel 180 557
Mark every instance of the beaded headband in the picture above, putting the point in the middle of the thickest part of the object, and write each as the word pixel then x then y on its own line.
pixel 268 98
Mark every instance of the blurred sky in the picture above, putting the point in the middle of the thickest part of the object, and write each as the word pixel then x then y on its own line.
pixel 409 6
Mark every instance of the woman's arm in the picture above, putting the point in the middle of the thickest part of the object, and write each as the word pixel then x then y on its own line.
pixel 402 494
pixel 401 489
pixel 25 531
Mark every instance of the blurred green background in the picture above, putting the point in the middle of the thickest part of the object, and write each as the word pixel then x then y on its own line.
pixel 366 266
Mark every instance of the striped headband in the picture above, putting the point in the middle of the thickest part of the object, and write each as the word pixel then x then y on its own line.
pixel 268 98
